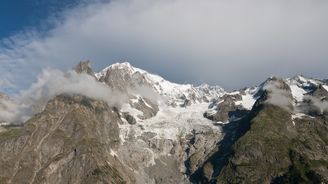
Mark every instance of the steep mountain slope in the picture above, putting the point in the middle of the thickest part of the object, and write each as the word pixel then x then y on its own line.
pixel 69 142
pixel 163 132
pixel 160 127
pixel 278 146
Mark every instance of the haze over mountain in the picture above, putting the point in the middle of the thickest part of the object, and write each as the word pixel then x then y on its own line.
pixel 125 125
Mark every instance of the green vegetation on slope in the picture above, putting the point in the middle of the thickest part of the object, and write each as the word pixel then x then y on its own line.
pixel 276 151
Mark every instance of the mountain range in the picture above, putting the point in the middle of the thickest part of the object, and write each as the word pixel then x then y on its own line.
pixel 149 130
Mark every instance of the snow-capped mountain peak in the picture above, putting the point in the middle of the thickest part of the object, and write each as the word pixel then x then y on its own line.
pixel 128 75
pixel 301 85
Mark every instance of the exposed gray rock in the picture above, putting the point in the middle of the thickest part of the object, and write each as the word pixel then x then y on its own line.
pixel 147 107
pixel 319 92
pixel 130 119
pixel 315 103
pixel 171 173
pixel 200 146
pixel 226 109
pixel 277 92
pixel 76 139
pixel 120 77
pixel 325 81
pixel 84 67
pixel 69 142
pixel 186 103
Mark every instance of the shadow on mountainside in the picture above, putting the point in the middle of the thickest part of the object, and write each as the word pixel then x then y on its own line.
pixel 233 131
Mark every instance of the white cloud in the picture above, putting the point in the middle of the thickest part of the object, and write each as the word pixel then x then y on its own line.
pixel 51 83
pixel 12 112
pixel 4 83
pixel 54 82
pixel 314 105
pixel 277 95
pixel 230 43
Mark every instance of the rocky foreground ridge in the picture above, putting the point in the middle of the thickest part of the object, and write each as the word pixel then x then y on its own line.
pixel 163 132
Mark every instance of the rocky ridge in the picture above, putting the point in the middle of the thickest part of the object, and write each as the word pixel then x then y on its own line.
pixel 197 134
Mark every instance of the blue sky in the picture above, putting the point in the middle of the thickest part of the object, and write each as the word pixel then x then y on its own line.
pixel 228 43
pixel 19 15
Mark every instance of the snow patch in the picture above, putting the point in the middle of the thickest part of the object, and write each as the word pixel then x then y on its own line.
pixel 169 90
pixel 325 87
pixel 248 100
pixel 134 112
pixel 171 123
pixel 297 116
pixel 113 153
pixel 297 92
pixel 300 116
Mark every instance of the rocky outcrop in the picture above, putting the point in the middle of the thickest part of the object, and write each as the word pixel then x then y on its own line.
pixel 84 67
pixel 159 134
pixel 319 92
pixel 199 148
pixel 270 144
pixel 121 77
pixel 147 107
pixel 275 151
pixel 325 81
pixel 77 140
pixel 274 147
pixel 69 142
pixel 277 92
pixel 226 109
pixel 129 118
pixel 315 102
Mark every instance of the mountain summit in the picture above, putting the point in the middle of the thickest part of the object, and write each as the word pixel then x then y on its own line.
pixel 163 132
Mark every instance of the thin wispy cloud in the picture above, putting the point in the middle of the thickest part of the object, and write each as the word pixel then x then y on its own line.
pixel 229 43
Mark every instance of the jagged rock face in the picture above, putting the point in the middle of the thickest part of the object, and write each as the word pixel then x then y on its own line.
pixel 121 77
pixel 316 102
pixel 77 140
pixel 84 67
pixel 277 146
pixel 319 92
pixel 275 150
pixel 147 107
pixel 172 133
pixel 124 78
pixel 307 84
pixel 69 142
pixel 226 109
pixel 200 146
pixel 277 92
pixel 166 160
pixel 130 119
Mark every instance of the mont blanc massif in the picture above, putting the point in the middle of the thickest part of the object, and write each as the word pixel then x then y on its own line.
pixel 125 125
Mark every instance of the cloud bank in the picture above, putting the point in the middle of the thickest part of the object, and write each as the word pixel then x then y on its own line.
pixel 12 112
pixel 51 83
pixel 313 105
pixel 229 43
pixel 277 95
pixel 54 82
